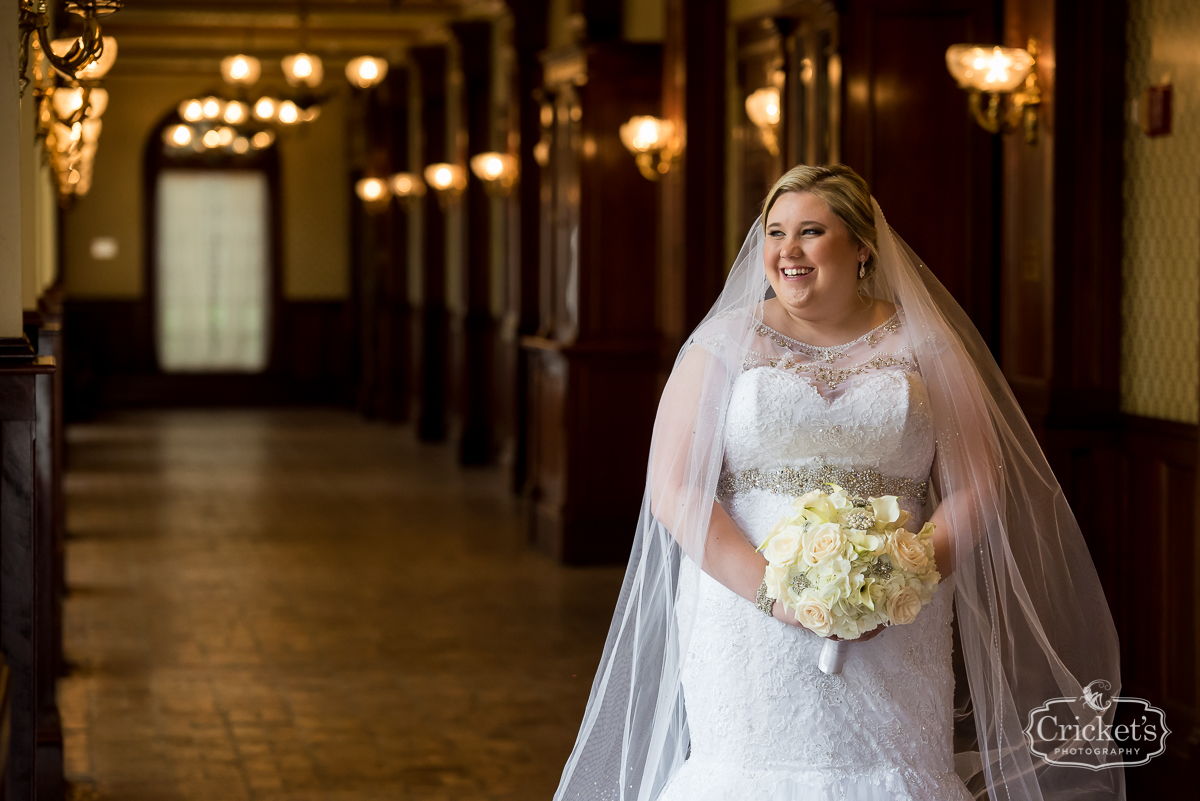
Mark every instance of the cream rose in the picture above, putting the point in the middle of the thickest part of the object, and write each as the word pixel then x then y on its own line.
pixel 783 546
pixel 821 543
pixel 904 605
pixel 907 551
pixel 814 615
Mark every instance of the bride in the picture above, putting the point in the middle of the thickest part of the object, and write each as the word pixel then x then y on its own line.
pixel 834 355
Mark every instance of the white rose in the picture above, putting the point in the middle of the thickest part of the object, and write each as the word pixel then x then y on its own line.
pixel 907 551
pixel 814 615
pixel 821 543
pixel 783 546
pixel 904 605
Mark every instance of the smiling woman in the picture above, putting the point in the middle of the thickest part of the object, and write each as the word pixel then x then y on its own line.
pixel 819 253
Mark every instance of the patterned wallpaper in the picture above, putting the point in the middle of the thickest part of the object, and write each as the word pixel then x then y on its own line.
pixel 1160 305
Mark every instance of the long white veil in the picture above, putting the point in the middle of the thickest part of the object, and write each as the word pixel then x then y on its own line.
pixel 1032 617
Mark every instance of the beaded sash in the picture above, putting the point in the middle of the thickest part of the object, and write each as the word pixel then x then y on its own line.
pixel 860 484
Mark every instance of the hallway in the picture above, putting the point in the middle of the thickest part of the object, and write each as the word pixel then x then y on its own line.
pixel 302 605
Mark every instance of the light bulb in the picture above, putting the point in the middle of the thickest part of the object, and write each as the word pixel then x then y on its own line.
pixel 225 136
pixel 264 109
pixel 262 139
pixel 236 112
pixel 442 177
pixel 191 110
pixel 211 107
pixel 241 145
pixel 179 135
pixel 211 139
pixel 240 70
pixel 366 71
pixel 371 190
pixel 289 113
pixel 303 68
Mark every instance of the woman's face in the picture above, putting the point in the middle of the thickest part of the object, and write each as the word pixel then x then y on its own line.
pixel 810 258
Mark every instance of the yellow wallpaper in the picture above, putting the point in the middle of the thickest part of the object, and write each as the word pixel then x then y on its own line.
pixel 1160 305
pixel 315 200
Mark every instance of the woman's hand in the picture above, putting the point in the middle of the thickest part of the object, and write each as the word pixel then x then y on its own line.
pixel 784 616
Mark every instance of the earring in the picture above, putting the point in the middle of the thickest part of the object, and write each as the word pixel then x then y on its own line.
pixel 862 267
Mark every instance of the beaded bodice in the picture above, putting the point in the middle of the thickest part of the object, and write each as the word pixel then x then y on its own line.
pixel 861 406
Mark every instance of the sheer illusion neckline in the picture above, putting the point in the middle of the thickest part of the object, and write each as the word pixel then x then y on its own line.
pixel 832 352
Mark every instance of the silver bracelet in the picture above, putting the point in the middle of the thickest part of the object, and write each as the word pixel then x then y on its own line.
pixel 764 602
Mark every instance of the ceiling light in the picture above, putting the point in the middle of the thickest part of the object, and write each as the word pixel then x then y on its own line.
pixel 191 110
pixel 265 108
pixel 303 69
pixel 211 107
pixel 289 113
pixel 236 112
pixel 240 70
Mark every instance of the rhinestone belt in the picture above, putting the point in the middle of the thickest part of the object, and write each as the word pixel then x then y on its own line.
pixel 799 480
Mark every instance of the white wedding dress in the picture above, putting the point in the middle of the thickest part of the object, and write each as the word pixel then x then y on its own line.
pixel 765 723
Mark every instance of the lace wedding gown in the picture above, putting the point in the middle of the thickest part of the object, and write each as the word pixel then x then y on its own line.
pixel 765 723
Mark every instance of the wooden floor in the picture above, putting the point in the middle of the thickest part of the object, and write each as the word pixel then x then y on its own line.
pixel 301 605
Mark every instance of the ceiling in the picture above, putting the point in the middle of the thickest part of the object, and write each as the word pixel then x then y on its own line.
pixel 186 36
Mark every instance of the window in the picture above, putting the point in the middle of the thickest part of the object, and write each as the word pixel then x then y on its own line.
pixel 213 270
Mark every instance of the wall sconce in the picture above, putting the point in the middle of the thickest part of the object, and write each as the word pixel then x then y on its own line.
pixel 996 71
pixel 240 70
pixel 34 18
pixel 407 187
pixel 374 193
pixel 366 71
pixel 448 180
pixel 646 137
pixel 764 110
pixel 498 171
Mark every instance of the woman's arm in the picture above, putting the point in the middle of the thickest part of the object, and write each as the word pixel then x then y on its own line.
pixel 678 475
pixel 731 559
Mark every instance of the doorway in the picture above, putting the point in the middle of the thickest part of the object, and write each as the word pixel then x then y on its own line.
pixel 213 270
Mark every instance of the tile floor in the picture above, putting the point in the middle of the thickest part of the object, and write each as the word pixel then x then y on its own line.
pixel 301 605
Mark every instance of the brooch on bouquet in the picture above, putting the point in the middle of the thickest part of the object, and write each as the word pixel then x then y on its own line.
pixel 844 567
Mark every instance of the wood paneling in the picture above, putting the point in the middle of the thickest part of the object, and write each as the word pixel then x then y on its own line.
pixel 692 255
pixel 109 355
pixel 908 132
pixel 593 372
pixel 20 623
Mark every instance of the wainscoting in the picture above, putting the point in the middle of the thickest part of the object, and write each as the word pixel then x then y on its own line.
pixel 1133 489
pixel 110 361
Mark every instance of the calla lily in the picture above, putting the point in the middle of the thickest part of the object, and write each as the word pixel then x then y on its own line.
pixel 887 510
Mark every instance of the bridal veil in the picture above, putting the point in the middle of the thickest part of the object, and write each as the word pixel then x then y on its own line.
pixel 1032 617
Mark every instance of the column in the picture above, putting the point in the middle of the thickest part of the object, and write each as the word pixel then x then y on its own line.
pixel 428 290
pixel 473 324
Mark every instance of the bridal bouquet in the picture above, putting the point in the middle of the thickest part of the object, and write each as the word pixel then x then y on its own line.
pixel 845 568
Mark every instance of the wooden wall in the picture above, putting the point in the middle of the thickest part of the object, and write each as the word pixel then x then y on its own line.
pixel 907 131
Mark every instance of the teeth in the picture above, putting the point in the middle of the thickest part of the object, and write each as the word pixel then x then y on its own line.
pixel 794 271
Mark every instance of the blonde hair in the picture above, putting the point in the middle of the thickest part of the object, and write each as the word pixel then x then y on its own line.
pixel 846 193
